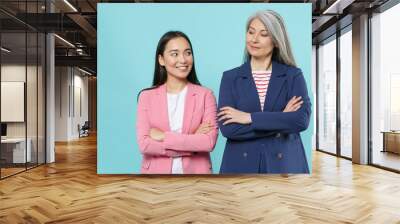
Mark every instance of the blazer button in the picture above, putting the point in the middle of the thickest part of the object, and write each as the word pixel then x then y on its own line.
pixel 245 154
pixel 278 135
pixel 280 155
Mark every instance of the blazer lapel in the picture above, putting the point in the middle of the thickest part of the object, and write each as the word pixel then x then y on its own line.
pixel 190 104
pixel 162 105
pixel 249 88
pixel 278 78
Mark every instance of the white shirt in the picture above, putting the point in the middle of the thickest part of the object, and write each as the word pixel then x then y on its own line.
pixel 176 106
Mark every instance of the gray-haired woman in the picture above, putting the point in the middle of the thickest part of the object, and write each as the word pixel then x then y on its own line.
pixel 264 104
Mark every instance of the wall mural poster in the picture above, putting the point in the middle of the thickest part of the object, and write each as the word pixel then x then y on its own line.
pixel 204 88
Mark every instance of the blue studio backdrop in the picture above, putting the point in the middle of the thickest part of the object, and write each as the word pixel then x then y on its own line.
pixel 127 38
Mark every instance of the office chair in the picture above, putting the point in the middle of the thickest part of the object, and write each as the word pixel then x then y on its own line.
pixel 84 130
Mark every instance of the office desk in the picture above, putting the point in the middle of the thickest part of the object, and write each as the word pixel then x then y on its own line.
pixel 15 148
pixel 391 141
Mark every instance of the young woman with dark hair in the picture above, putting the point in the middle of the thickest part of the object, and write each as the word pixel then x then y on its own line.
pixel 176 117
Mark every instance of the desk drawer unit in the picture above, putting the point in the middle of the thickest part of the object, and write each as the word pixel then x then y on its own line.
pixel 13 151
pixel 391 142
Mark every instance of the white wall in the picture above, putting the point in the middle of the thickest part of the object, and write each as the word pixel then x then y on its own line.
pixel 62 81
pixel 80 105
pixel 71 94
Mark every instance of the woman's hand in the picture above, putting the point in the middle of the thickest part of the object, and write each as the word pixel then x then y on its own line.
pixel 231 115
pixel 204 128
pixel 157 134
pixel 294 104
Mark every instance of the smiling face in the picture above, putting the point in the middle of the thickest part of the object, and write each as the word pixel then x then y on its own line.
pixel 177 58
pixel 259 43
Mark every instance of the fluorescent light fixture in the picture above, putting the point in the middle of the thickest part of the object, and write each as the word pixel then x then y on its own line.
pixel 338 6
pixel 330 8
pixel 84 71
pixel 70 5
pixel 5 50
pixel 64 40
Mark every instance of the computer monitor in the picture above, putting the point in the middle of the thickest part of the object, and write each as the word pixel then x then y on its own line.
pixel 3 129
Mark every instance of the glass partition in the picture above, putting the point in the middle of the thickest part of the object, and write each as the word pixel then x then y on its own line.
pixel 22 77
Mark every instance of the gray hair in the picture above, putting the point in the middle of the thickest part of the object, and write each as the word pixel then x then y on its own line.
pixel 275 26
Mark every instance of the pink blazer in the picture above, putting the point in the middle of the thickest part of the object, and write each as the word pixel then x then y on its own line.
pixel 152 112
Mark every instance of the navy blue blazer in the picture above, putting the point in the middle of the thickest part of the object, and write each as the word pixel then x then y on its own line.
pixel 271 143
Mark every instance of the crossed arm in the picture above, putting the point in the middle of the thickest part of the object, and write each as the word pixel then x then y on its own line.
pixel 238 125
pixel 153 141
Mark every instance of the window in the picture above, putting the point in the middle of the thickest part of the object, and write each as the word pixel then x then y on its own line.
pixel 327 96
pixel 385 89
pixel 346 93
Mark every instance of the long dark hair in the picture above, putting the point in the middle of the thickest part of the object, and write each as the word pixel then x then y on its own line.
pixel 160 74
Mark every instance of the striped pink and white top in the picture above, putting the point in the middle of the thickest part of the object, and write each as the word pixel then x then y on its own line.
pixel 261 78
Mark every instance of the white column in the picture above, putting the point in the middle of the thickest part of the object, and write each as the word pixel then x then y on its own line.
pixel 50 100
pixel 360 90
pixel 50 92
